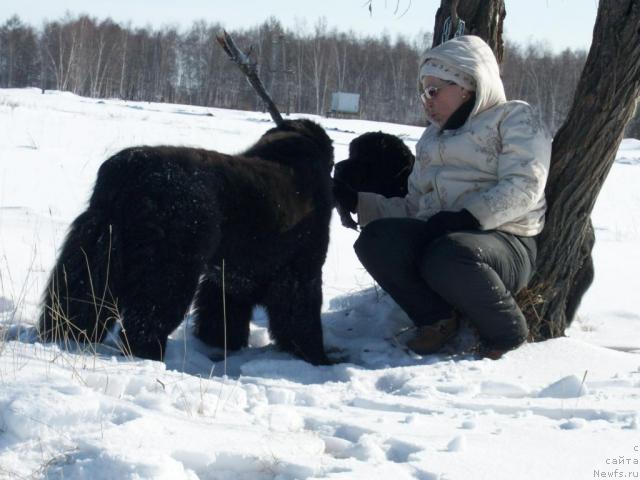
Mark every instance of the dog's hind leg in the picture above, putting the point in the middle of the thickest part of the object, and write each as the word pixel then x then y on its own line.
pixel 222 319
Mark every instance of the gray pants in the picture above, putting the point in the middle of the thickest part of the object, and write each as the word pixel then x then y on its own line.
pixel 474 272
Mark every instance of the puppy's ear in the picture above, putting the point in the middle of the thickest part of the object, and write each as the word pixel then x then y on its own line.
pixel 349 172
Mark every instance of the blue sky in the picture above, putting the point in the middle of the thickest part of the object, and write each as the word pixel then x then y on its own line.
pixel 561 23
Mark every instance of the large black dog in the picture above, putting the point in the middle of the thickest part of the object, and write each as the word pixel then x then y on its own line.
pixel 166 225
pixel 378 162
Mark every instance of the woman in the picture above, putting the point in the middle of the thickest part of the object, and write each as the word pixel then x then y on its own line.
pixel 462 240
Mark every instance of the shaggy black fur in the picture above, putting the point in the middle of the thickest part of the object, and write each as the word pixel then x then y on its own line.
pixel 378 162
pixel 167 223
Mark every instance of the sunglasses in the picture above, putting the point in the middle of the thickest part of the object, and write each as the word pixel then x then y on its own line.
pixel 431 91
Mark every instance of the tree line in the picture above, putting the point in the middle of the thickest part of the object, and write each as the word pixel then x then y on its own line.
pixel 300 67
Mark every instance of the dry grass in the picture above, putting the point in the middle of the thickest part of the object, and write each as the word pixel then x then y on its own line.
pixel 530 301
pixel 106 313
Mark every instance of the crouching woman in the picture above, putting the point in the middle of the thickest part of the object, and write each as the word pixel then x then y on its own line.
pixel 462 241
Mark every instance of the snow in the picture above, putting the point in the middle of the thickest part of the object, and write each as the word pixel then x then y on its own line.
pixel 562 409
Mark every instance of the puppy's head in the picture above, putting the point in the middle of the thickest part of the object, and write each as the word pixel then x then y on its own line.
pixel 378 162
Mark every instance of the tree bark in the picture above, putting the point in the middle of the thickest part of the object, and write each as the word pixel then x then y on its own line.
pixel 483 18
pixel 583 152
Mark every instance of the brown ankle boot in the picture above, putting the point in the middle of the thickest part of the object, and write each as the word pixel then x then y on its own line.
pixel 431 338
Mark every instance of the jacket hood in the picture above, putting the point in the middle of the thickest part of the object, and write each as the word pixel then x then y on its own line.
pixel 473 56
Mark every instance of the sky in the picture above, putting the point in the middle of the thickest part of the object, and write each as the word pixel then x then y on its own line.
pixel 560 23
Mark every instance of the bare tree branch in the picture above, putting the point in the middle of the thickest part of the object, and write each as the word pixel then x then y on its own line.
pixel 246 66
pixel 369 5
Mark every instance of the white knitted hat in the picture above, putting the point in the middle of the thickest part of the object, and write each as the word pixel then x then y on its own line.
pixel 445 71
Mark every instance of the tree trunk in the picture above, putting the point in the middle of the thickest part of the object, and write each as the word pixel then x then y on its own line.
pixel 483 18
pixel 583 152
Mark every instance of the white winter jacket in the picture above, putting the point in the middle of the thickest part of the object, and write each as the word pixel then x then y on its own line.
pixel 495 165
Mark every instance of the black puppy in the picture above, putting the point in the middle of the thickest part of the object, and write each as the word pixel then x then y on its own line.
pixel 379 163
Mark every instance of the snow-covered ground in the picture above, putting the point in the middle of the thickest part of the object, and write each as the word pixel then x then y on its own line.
pixel 562 409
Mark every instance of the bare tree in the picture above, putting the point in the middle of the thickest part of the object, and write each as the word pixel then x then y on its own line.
pixel 124 37
pixel 18 53
pixel 340 49
pixel 59 42
pixel 318 62
pixel 583 152
pixel 102 58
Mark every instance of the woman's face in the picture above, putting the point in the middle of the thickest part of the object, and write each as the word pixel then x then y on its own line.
pixel 442 98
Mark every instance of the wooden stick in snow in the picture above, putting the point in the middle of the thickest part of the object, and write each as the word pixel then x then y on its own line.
pixel 248 67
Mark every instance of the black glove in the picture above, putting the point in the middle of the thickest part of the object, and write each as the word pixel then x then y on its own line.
pixel 345 196
pixel 445 222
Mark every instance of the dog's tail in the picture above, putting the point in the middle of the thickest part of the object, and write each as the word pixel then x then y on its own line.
pixel 79 303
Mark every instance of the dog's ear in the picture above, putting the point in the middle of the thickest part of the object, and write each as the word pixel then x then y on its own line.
pixel 350 172
pixel 346 171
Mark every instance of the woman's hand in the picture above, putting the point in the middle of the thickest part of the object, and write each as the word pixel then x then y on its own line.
pixel 445 222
